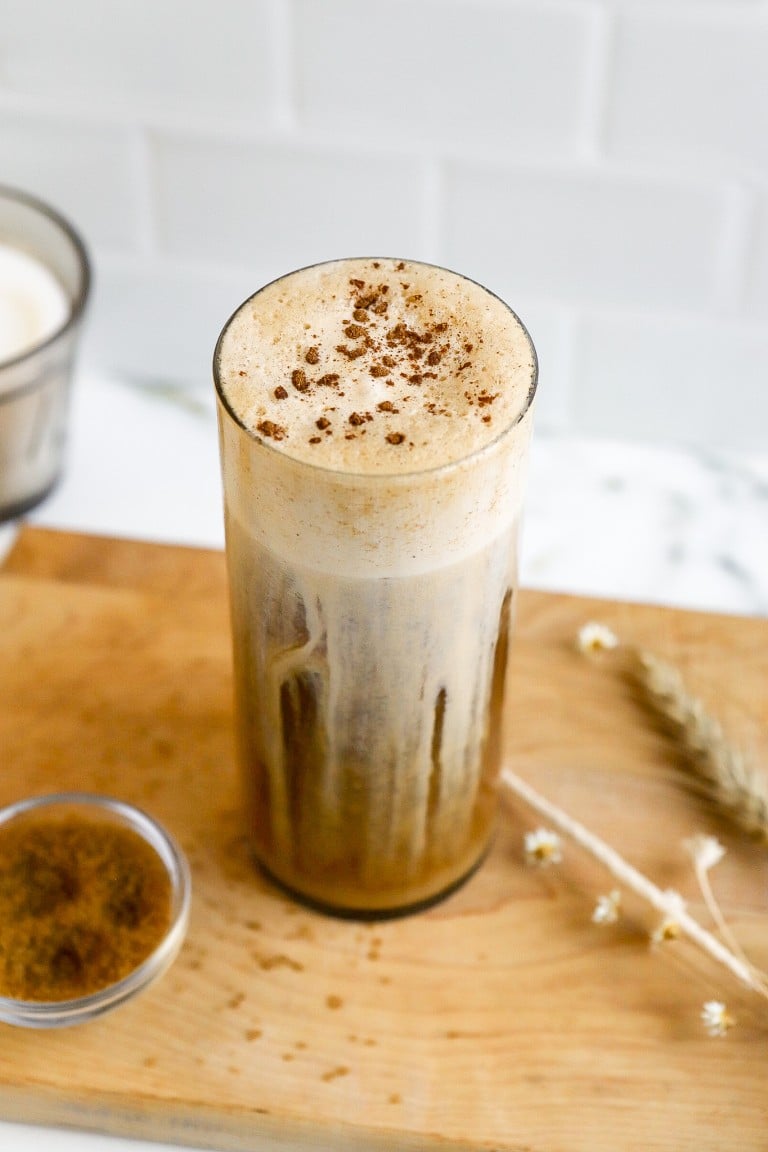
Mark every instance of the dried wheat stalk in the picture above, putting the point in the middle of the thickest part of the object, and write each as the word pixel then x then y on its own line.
pixel 726 776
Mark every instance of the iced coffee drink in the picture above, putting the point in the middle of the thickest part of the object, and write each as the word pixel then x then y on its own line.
pixel 374 420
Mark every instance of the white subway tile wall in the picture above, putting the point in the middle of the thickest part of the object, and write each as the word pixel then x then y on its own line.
pixel 691 86
pixel 596 236
pixel 85 168
pixel 253 201
pixel 445 76
pixel 601 164
pixel 175 57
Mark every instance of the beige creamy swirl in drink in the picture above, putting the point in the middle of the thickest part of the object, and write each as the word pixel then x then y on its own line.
pixel 374 423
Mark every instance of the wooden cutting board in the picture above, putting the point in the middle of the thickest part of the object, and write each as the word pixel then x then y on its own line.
pixel 501 1019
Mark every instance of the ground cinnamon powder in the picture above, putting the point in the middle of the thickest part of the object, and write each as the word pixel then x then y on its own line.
pixel 82 903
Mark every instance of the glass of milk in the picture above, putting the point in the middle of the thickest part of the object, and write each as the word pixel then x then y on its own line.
pixel 44 287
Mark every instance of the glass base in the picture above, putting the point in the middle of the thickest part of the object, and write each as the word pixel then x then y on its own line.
pixel 343 912
pixel 20 507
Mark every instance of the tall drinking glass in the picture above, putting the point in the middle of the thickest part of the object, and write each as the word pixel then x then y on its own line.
pixel 374 422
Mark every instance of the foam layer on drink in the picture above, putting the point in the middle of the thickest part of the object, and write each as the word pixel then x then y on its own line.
pixel 33 304
pixel 375 366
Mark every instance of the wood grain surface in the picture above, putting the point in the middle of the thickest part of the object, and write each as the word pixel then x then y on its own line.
pixel 502 1018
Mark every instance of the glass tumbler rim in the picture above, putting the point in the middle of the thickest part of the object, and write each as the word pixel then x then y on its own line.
pixel 373 479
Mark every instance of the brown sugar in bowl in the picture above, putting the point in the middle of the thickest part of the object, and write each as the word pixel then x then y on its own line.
pixel 94 905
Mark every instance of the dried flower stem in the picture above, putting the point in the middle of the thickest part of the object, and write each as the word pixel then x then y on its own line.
pixel 668 903
pixel 729 779
pixel 702 878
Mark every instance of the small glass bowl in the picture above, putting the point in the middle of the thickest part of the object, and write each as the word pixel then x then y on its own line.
pixel 61 1013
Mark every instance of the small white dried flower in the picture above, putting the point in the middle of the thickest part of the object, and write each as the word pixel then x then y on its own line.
pixel 706 851
pixel 543 847
pixel 716 1018
pixel 669 928
pixel 607 908
pixel 674 901
pixel 593 638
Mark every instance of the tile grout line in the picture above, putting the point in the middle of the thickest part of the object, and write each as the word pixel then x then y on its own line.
pixel 598 84
pixel 432 210
pixel 734 247
pixel 283 60
pixel 141 163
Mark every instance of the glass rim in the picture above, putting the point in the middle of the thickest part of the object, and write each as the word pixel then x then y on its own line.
pixel 373 478
pixel 8 192
pixel 60 1013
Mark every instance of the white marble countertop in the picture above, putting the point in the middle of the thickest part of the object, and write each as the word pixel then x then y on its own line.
pixel 659 524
